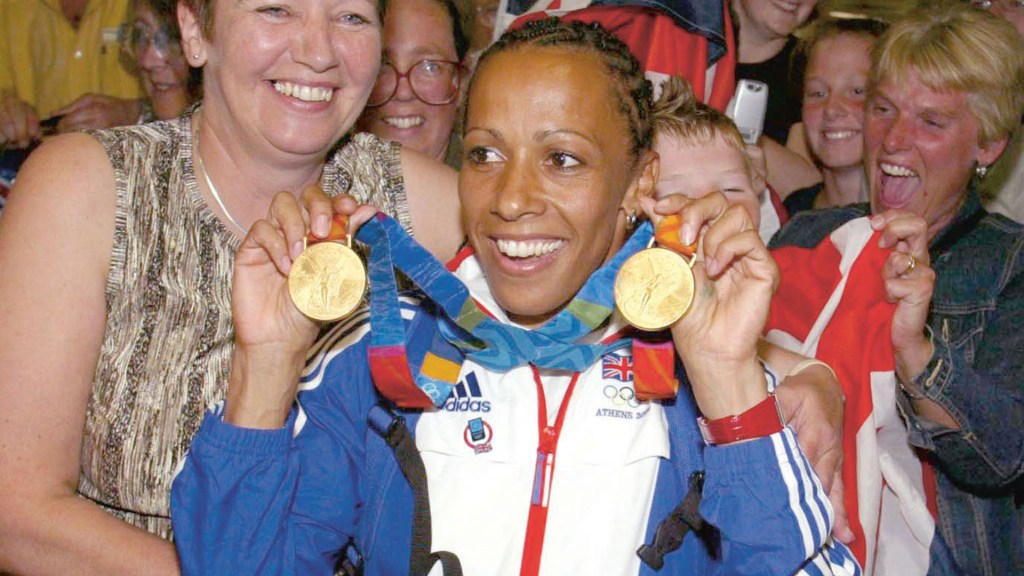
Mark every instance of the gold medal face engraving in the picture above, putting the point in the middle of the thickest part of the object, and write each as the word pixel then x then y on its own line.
pixel 327 281
pixel 654 288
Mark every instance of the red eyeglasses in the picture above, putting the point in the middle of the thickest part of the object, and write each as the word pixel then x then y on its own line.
pixel 434 82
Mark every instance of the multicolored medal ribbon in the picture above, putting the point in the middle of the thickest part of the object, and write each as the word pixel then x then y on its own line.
pixel 653 290
pixel 466 331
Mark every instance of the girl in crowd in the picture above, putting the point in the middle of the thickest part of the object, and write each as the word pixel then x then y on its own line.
pixel 835 58
pixel 765 45
pixel 117 249
pixel 946 90
pixel 543 459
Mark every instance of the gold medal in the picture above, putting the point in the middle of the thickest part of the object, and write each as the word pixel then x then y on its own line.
pixel 327 281
pixel 654 288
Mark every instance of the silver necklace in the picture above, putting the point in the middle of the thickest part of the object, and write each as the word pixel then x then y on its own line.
pixel 209 184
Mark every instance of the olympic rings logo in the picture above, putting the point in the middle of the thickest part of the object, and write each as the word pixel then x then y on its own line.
pixel 624 396
pixel 431 389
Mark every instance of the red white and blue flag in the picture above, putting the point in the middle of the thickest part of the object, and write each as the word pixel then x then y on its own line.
pixel 687 38
pixel 831 305
pixel 616 367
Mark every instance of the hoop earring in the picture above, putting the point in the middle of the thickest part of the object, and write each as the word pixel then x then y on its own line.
pixel 981 171
pixel 631 220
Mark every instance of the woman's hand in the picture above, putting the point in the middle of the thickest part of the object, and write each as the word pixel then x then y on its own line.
pixel 735 278
pixel 909 282
pixel 812 402
pixel 271 335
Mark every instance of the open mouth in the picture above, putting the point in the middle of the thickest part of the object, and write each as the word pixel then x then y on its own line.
pixel 526 258
pixel 304 92
pixel 898 184
pixel 164 87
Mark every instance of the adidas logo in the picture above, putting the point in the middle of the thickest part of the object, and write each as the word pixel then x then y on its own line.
pixel 466 397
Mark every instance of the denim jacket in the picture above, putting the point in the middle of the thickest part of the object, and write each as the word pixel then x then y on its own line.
pixel 976 373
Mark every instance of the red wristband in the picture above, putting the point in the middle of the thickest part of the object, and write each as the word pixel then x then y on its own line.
pixel 764 419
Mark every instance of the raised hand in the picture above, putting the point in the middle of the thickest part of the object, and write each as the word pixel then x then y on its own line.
pixel 909 282
pixel 735 278
pixel 271 335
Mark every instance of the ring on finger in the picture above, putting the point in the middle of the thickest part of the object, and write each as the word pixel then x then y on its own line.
pixel 910 266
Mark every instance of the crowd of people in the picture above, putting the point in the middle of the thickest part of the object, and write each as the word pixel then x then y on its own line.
pixel 166 408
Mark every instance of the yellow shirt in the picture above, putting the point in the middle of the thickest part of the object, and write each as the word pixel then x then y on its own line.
pixel 47 63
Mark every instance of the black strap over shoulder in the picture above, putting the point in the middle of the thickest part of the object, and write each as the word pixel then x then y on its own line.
pixel 671 531
pixel 396 434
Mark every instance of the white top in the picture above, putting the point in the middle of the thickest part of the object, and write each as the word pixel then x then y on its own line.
pixel 481 455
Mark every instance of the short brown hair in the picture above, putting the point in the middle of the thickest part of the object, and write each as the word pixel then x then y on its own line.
pixel 677 112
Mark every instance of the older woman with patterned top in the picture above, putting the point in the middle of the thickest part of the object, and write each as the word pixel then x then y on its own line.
pixel 117 250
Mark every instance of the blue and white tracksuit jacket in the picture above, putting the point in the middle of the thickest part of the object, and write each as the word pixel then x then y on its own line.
pixel 284 501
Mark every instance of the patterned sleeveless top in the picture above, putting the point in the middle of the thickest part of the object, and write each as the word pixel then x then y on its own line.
pixel 166 353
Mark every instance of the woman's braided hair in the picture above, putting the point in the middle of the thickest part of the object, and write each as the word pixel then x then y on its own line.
pixel 631 89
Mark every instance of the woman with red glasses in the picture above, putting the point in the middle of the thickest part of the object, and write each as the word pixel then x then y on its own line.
pixel 417 96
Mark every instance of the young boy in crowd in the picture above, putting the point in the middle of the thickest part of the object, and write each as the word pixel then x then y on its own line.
pixel 702 151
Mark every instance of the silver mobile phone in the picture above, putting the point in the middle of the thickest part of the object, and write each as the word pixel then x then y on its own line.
pixel 747 108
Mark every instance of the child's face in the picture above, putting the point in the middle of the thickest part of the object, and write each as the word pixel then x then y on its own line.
pixel 694 170
pixel 834 92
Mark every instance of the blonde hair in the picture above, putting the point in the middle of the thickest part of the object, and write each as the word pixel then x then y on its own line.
pixel 955 47
pixel 679 113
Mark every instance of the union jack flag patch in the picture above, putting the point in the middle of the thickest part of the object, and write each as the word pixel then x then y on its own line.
pixel 617 367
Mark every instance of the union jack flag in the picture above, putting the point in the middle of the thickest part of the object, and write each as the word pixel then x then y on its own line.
pixel 617 367
pixel 889 490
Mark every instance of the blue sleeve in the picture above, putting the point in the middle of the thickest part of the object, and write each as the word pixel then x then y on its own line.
pixel 770 510
pixel 980 385
pixel 280 501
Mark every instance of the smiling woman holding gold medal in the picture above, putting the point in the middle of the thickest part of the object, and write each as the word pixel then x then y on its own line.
pixel 116 252
pixel 507 419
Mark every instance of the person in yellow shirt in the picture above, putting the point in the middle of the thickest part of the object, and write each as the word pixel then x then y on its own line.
pixel 62 58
